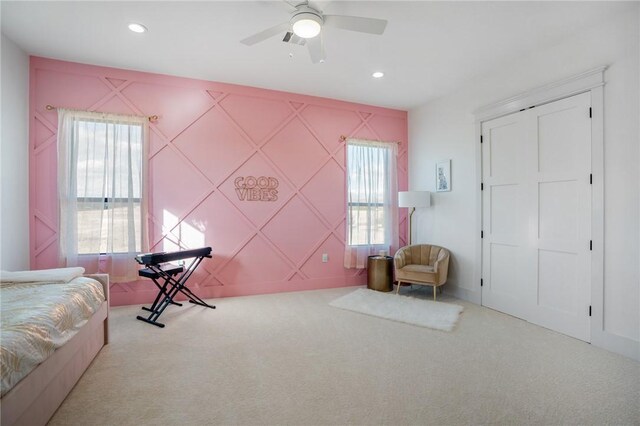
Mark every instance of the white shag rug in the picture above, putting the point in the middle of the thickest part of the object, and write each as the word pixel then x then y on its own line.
pixel 425 313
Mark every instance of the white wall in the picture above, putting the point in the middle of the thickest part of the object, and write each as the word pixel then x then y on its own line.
pixel 444 129
pixel 14 157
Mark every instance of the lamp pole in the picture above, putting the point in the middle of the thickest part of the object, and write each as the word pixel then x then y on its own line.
pixel 413 209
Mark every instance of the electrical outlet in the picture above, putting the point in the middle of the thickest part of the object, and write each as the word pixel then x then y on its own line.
pixel 325 257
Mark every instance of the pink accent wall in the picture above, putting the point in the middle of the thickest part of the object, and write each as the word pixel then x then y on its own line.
pixel 209 134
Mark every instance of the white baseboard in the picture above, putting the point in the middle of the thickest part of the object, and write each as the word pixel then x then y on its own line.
pixel 462 293
pixel 618 344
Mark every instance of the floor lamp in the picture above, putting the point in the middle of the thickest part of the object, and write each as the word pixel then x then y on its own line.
pixel 413 199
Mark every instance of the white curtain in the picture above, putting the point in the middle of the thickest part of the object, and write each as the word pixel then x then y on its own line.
pixel 372 194
pixel 102 191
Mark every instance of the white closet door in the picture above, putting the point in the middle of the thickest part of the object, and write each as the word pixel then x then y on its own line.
pixel 560 215
pixel 504 215
pixel 537 215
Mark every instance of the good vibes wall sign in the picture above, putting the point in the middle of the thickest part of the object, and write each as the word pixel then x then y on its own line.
pixel 251 188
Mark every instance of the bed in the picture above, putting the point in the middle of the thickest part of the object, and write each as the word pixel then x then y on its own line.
pixel 76 312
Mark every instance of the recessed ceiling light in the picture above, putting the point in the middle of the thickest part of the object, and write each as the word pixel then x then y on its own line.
pixel 137 28
pixel 377 74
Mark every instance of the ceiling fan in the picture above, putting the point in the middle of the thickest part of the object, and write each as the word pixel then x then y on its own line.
pixel 307 23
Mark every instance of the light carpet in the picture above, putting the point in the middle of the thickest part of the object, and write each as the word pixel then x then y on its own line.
pixel 410 310
pixel 291 359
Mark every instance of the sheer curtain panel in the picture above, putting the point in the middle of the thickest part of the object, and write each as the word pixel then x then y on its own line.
pixel 372 194
pixel 102 191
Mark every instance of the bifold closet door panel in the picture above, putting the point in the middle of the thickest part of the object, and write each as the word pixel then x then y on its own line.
pixel 504 216
pixel 561 215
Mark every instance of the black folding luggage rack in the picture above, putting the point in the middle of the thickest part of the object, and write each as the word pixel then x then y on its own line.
pixel 174 279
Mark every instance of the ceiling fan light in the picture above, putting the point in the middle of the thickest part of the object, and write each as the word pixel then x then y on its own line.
pixel 306 25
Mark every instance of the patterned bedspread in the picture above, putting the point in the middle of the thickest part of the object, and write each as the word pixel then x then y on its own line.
pixel 36 319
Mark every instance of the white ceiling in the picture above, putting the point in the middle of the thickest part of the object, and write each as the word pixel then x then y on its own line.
pixel 428 49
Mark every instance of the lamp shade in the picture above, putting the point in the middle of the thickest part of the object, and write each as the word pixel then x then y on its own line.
pixel 414 199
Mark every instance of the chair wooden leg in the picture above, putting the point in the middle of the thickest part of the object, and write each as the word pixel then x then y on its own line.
pixel 434 293
pixel 398 289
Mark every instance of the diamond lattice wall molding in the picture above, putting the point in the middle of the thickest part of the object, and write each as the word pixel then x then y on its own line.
pixel 208 135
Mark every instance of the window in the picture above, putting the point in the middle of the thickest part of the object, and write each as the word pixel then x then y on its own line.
pixel 372 210
pixel 109 186
pixel 101 169
pixel 367 193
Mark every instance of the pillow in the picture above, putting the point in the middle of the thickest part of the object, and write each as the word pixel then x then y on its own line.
pixel 59 275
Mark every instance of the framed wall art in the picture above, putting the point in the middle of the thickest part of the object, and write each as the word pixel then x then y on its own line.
pixel 443 176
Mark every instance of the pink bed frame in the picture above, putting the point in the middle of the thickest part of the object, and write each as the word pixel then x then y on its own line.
pixel 37 397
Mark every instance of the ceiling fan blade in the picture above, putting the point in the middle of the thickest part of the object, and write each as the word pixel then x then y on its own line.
pixel 293 4
pixel 316 48
pixel 263 35
pixel 356 23
pixel 319 5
